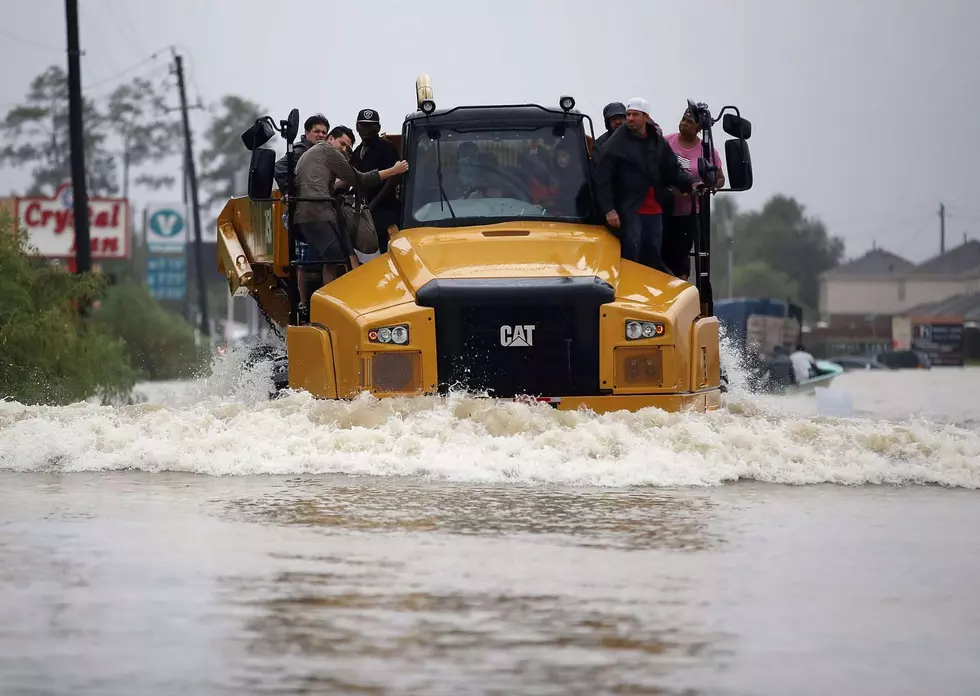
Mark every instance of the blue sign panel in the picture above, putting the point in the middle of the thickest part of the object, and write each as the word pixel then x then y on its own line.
pixel 166 276
pixel 166 228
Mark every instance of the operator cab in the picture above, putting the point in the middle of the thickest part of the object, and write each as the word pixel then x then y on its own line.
pixel 488 164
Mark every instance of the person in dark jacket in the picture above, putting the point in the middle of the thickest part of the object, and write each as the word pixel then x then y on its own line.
pixel 316 128
pixel 635 167
pixel 375 152
pixel 614 115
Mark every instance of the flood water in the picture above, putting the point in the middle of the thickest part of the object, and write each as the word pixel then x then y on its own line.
pixel 212 542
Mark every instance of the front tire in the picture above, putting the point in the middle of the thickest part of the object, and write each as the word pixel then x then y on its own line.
pixel 280 376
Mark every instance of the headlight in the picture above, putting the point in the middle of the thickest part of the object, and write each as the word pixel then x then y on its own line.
pixel 399 335
pixel 389 334
pixel 643 329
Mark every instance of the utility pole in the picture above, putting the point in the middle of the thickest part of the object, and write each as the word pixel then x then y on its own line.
pixel 83 244
pixel 187 265
pixel 942 228
pixel 202 295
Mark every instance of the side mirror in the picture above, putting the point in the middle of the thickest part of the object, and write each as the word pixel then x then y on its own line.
pixel 708 172
pixel 258 134
pixel 736 126
pixel 261 171
pixel 292 126
pixel 739 165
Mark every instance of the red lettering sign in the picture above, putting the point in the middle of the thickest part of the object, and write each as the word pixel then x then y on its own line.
pixel 50 224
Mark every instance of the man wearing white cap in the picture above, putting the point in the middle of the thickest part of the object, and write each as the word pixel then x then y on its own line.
pixel 634 170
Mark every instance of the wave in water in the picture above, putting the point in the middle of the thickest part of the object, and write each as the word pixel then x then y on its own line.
pixel 225 426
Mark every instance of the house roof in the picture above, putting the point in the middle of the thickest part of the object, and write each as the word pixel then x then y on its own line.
pixel 965 305
pixel 959 261
pixel 876 262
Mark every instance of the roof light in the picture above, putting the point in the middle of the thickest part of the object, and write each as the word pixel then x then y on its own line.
pixel 423 94
pixel 566 103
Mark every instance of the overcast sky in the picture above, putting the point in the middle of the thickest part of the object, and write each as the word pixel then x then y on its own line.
pixel 861 110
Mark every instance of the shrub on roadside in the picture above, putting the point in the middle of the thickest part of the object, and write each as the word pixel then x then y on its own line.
pixel 157 342
pixel 49 353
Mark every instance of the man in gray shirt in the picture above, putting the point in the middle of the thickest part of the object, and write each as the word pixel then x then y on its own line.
pixel 316 222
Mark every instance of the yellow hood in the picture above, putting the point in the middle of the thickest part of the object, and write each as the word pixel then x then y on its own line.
pixel 505 250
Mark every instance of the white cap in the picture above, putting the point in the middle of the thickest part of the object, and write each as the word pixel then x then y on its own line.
pixel 639 104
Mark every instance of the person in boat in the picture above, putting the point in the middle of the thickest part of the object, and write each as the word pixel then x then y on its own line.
pixel 614 115
pixel 803 364
pixel 317 222
pixel 781 372
pixel 634 170
pixel 681 225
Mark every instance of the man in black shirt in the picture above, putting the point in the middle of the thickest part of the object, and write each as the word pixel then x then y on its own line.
pixel 375 152
pixel 635 169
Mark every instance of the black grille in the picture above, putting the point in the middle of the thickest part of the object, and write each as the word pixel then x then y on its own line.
pixel 558 356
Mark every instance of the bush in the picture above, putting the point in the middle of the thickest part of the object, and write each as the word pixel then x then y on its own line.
pixel 158 342
pixel 49 353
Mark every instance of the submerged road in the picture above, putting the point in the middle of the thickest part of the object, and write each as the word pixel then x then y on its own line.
pixel 218 545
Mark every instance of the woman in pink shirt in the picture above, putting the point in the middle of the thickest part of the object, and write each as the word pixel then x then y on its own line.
pixel 682 225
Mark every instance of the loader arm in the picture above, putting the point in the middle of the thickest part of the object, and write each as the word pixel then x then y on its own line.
pixel 253 254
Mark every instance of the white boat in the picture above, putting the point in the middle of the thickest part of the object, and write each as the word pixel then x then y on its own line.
pixel 828 372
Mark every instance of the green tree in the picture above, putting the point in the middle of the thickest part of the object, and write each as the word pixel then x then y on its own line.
pixel 148 133
pixel 37 135
pixel 225 157
pixel 723 210
pixel 757 279
pixel 49 353
pixel 787 240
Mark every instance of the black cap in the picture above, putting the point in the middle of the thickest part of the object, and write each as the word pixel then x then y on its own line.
pixel 368 116
pixel 614 109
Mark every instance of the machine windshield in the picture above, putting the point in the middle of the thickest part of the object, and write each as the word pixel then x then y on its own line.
pixel 494 175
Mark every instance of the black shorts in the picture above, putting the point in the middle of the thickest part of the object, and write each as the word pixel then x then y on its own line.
pixel 323 239
pixel 679 233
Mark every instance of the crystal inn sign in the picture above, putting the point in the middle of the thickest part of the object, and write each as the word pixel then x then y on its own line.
pixel 50 225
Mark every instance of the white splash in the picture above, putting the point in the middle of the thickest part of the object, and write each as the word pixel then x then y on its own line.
pixel 226 425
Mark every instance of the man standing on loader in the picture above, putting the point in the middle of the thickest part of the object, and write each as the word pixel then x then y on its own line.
pixel 315 128
pixel 614 116
pixel 375 152
pixel 635 167
pixel 317 222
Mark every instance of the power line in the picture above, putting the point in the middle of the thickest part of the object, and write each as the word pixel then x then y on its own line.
pixel 131 68
pixel 31 42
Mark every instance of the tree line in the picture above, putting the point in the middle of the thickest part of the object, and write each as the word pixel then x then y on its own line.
pixel 778 251
pixel 129 133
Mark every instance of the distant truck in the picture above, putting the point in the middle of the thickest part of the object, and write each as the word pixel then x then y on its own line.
pixel 482 288
pixel 765 331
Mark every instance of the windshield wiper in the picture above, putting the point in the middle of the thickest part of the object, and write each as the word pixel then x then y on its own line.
pixel 442 190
